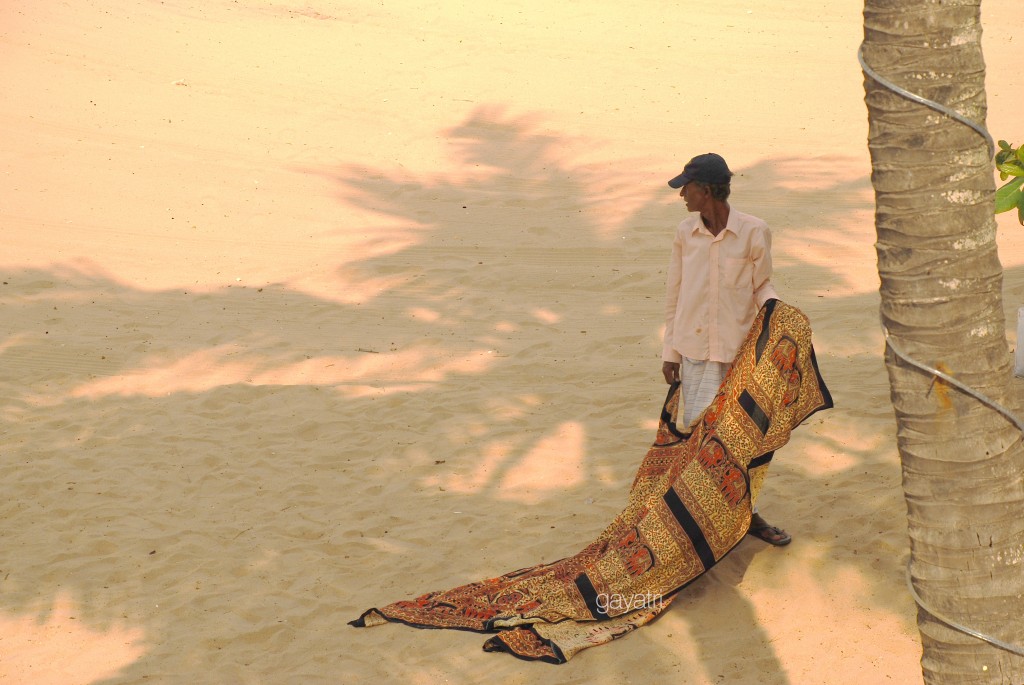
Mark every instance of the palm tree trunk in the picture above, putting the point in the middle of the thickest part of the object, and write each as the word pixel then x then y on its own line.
pixel 941 288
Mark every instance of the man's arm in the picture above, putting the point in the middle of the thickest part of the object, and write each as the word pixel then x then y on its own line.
pixel 673 281
pixel 761 254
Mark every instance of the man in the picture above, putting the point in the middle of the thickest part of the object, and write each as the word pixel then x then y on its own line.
pixel 718 279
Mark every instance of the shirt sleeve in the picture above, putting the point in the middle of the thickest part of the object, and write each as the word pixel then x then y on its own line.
pixel 761 254
pixel 672 287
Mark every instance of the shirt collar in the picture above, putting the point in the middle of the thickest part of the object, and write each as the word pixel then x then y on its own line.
pixel 730 225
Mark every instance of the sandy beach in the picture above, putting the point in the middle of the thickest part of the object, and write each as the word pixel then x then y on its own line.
pixel 310 306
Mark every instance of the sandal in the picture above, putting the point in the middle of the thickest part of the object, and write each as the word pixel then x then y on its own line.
pixel 773 535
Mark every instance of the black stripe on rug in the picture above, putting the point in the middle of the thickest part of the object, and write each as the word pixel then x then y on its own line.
pixel 589 594
pixel 754 411
pixel 760 461
pixel 691 528
pixel 762 339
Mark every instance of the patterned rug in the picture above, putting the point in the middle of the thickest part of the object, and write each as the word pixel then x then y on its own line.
pixel 689 505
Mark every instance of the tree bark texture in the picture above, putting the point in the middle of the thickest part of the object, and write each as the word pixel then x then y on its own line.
pixel 941 291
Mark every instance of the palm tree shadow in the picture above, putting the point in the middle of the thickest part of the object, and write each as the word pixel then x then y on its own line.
pixel 216 400
pixel 492 293
pixel 489 294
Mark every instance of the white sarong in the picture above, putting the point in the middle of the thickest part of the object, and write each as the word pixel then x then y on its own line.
pixel 701 380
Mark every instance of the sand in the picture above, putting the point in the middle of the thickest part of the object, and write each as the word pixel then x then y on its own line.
pixel 312 306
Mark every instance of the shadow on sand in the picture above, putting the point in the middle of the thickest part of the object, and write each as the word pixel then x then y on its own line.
pixel 257 464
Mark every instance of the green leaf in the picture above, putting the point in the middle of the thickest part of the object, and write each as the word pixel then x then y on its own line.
pixel 1020 212
pixel 1020 154
pixel 1004 145
pixel 1009 196
pixel 1011 169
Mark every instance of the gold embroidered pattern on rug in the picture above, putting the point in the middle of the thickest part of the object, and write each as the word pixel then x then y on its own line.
pixel 689 505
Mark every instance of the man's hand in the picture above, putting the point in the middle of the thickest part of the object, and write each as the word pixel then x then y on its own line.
pixel 671 372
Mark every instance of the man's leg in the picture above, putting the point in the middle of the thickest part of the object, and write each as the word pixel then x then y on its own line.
pixel 763 530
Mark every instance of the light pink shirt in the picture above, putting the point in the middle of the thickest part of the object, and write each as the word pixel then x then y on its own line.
pixel 715 286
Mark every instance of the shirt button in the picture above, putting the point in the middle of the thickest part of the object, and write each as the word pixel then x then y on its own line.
pixel 700 330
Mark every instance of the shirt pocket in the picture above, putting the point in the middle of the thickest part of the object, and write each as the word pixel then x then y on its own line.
pixel 738 272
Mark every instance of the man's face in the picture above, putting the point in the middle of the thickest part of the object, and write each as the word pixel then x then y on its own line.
pixel 694 195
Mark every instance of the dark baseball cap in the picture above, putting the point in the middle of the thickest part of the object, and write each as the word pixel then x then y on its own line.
pixel 707 168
